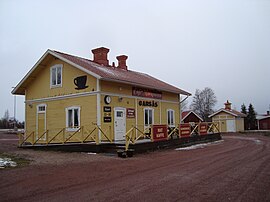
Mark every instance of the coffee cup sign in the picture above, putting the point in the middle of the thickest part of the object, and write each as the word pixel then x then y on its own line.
pixel 80 82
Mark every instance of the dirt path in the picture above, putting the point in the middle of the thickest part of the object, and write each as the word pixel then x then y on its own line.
pixel 236 169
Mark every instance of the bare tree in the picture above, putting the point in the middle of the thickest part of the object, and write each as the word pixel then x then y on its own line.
pixel 184 104
pixel 203 102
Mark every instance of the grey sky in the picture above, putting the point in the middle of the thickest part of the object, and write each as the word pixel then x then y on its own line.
pixel 192 44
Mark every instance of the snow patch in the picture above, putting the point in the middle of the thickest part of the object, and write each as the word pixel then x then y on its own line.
pixel 255 140
pixel 92 153
pixel 7 162
pixel 258 141
pixel 199 146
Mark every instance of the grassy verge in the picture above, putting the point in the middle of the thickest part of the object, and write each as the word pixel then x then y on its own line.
pixel 19 160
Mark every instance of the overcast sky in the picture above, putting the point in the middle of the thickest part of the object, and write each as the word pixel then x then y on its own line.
pixel 192 44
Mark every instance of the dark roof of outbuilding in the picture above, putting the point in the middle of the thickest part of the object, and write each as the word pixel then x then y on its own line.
pixel 185 114
pixel 229 111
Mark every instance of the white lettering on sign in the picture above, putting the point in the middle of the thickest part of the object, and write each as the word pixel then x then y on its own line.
pixel 160 135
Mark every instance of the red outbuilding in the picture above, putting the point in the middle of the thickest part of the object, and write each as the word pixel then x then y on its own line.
pixel 190 117
pixel 264 121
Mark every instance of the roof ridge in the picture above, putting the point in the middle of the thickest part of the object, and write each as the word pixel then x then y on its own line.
pixel 73 56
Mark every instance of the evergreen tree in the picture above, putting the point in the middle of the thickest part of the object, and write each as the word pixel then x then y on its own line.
pixel 251 118
pixel 244 111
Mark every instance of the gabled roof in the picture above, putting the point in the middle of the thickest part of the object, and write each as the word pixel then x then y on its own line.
pixel 261 117
pixel 185 114
pixel 231 112
pixel 103 73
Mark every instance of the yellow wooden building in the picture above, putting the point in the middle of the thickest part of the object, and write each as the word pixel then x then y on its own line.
pixel 66 94
pixel 228 119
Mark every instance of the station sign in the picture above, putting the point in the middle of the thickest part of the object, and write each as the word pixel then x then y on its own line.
pixel 184 130
pixel 203 128
pixel 130 113
pixel 149 93
pixel 160 132
pixel 148 103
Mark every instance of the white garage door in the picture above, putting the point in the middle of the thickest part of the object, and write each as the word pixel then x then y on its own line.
pixel 231 126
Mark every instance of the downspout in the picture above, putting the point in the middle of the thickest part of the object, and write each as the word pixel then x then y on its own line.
pixel 98 110
pixel 180 106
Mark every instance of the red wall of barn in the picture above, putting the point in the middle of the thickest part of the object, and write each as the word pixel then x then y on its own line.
pixel 264 124
pixel 191 118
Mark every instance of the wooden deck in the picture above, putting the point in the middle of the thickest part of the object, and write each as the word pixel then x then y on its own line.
pixel 140 146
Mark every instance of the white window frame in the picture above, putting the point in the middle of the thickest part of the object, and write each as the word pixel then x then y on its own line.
pixel 45 121
pixel 41 111
pixel 169 111
pixel 73 128
pixel 61 70
pixel 153 116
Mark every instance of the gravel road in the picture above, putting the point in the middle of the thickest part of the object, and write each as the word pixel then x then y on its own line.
pixel 235 169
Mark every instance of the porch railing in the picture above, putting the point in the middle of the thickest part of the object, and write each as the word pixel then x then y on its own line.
pixel 81 134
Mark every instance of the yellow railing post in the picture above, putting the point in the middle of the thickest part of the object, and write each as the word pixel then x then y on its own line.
pixel 56 135
pixel 82 132
pixel 20 139
pixel 90 135
pixel 40 137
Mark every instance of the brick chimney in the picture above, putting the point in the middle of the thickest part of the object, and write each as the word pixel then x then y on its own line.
pixel 122 61
pixel 100 56
pixel 228 105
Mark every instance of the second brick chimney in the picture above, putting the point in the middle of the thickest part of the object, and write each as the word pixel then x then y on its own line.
pixel 122 61
pixel 100 56
pixel 228 105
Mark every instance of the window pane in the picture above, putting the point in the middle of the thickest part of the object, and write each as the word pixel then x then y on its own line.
pixel 41 108
pixel 146 117
pixel 70 121
pixel 150 116
pixel 59 75
pixel 119 114
pixel 76 118
pixel 53 76
pixel 168 115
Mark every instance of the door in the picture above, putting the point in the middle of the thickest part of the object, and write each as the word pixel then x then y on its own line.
pixel 119 123
pixel 41 122
pixel 230 126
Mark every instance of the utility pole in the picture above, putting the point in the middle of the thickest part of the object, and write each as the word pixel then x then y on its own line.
pixel 15 126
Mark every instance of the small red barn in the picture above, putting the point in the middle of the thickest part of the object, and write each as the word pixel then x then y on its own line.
pixel 190 116
pixel 264 121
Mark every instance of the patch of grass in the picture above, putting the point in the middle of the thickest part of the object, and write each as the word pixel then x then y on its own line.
pixel 19 160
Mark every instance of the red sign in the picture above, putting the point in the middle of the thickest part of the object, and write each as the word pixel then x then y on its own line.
pixel 142 92
pixel 203 128
pixel 184 130
pixel 160 132
pixel 130 113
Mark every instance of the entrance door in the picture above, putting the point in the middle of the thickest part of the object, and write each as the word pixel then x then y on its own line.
pixel 230 126
pixel 41 121
pixel 119 123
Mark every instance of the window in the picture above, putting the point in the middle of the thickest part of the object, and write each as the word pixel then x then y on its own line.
pixel 41 108
pixel 56 76
pixel 73 118
pixel 148 117
pixel 119 114
pixel 170 118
